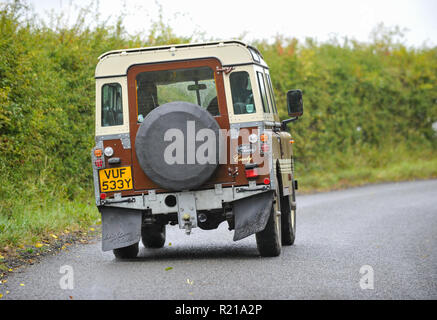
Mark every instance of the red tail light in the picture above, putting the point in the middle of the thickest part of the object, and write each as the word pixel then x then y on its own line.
pixel 251 173
pixel 103 196
pixel 98 163
pixel 266 181
pixel 264 147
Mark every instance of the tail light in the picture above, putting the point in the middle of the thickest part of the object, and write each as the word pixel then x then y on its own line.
pixel 98 163
pixel 251 173
pixel 264 147
pixel 251 170
pixel 103 196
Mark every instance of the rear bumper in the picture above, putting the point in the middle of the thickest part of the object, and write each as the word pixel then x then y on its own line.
pixel 209 199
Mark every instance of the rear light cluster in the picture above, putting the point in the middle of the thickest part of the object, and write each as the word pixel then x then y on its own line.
pixel 98 162
pixel 251 170
pixel 264 139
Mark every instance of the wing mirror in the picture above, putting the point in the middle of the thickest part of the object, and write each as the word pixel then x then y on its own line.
pixel 294 107
pixel 294 103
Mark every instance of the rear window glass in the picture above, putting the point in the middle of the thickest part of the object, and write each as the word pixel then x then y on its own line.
pixel 242 95
pixel 194 85
pixel 262 89
pixel 112 106
pixel 271 93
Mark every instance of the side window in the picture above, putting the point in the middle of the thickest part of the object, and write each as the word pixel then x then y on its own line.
pixel 262 89
pixel 271 92
pixel 112 107
pixel 242 95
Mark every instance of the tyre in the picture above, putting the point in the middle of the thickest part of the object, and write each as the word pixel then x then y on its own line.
pixel 288 216
pixel 268 241
pixel 153 235
pixel 175 116
pixel 129 252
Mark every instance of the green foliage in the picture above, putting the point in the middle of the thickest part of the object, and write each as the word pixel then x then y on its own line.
pixel 362 101
pixel 47 103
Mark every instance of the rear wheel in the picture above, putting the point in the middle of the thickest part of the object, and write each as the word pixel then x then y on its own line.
pixel 269 240
pixel 153 235
pixel 129 252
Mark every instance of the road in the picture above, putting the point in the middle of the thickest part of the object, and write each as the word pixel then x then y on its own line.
pixel 390 227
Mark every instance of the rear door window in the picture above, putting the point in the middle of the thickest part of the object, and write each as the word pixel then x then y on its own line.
pixel 112 106
pixel 194 85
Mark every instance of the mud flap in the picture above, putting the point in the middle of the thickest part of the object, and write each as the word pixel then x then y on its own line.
pixel 251 214
pixel 120 227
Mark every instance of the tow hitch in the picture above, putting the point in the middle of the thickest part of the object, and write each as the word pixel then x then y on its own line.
pixel 187 212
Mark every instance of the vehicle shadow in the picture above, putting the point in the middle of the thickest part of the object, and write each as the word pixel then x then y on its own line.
pixel 190 252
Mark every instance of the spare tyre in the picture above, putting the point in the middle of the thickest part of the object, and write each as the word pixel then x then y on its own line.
pixel 167 147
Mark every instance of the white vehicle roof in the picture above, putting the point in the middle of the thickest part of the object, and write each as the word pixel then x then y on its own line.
pixel 230 53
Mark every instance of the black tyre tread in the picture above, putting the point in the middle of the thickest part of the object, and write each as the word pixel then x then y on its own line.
pixel 153 235
pixel 129 252
pixel 268 240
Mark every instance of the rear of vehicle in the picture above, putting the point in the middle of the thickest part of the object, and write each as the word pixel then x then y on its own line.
pixel 189 135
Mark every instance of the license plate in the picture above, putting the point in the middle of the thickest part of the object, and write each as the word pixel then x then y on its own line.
pixel 115 179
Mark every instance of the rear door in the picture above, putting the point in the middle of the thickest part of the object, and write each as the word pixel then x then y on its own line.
pixel 152 85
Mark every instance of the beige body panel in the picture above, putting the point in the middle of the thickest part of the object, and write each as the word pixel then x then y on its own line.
pixel 116 63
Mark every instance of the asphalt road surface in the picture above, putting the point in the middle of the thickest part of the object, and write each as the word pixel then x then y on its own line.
pixel 390 228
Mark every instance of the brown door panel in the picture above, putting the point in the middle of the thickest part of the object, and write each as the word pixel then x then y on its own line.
pixel 141 181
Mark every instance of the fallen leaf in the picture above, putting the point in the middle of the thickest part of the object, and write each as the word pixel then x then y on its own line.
pixel 54 236
pixel 39 245
pixel 7 292
pixel 21 284
pixel 1 257
pixel 92 229
pixel 10 270
pixel 168 268
pixel 1 296
pixel 70 297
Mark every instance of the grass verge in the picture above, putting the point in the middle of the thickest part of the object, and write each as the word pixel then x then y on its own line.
pixel 31 226
pixel 334 179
